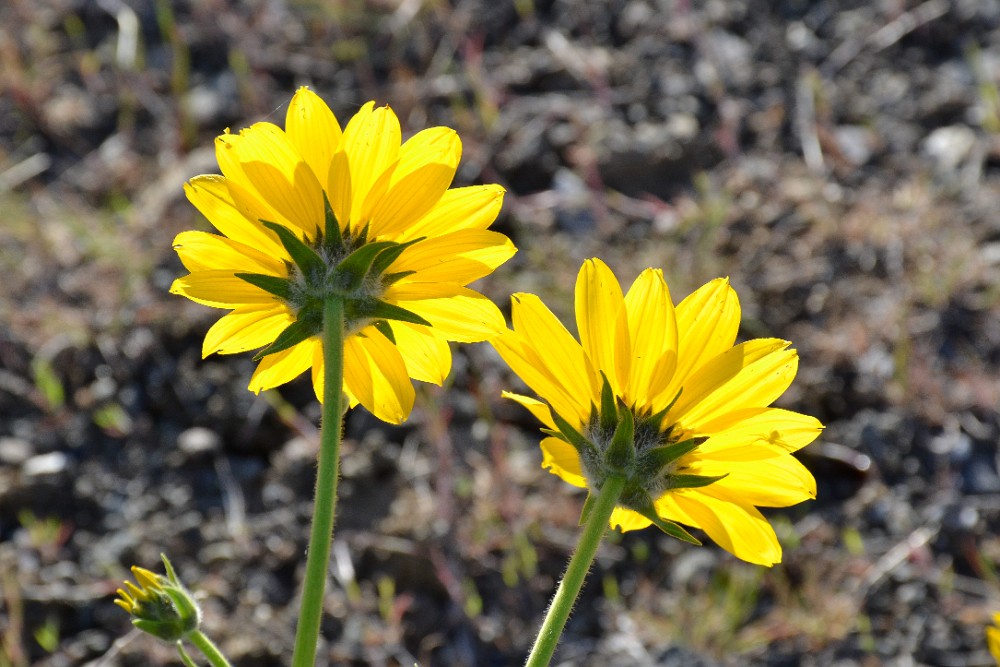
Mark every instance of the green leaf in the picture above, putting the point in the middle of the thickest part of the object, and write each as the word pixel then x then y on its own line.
pixel 609 405
pixel 279 287
pixel 570 434
pixel 668 527
pixel 693 481
pixel 294 333
pixel 353 269
pixel 309 263
pixel 620 454
pixel 666 454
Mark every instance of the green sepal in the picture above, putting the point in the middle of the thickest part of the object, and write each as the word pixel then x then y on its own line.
pixel 609 405
pixel 391 278
pixel 380 310
pixel 279 287
pixel 668 527
pixel 168 632
pixel 333 238
pixel 187 612
pixel 385 330
pixel 620 454
pixel 354 268
pixel 658 457
pixel 693 481
pixel 390 255
pixel 570 434
pixel 362 236
pixel 296 332
pixel 588 508
pixel 657 419
pixel 309 263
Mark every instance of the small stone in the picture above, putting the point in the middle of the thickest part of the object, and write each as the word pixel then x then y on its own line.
pixel 14 451
pixel 198 440
pixel 41 465
pixel 949 146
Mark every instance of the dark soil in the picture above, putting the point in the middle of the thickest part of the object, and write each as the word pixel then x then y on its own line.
pixel 840 161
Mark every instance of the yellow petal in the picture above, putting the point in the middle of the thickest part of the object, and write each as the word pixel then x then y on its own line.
pixel 427 356
pixel 246 328
pixel 410 198
pixel 750 375
pixel 283 180
pixel 599 300
pixel 281 367
pixel 561 354
pixel 371 139
pixel 314 131
pixel 456 313
pixel 781 430
pixel 707 322
pixel 473 207
pixel 318 373
pixel 653 331
pixel 539 409
pixel 778 481
pixel 738 528
pixel 426 167
pixel 435 145
pixel 220 289
pixel 561 459
pixel 213 196
pixel 375 373
pixel 201 251
pixel 993 638
pixel 516 349
pixel 338 188
pixel 625 520
pixel 456 258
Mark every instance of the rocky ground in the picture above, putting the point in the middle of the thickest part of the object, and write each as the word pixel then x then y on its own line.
pixel 840 161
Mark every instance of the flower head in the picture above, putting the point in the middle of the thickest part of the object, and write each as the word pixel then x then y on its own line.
pixel 159 605
pixel 660 396
pixel 313 210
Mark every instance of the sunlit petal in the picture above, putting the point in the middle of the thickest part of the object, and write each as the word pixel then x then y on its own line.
pixel 281 367
pixel 246 328
pixel 560 458
pixel 314 131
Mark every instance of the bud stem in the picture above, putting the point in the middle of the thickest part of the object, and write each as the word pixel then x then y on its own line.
pixel 209 649
pixel 576 572
pixel 321 535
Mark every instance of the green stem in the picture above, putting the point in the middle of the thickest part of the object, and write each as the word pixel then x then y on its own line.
pixel 576 572
pixel 321 535
pixel 210 650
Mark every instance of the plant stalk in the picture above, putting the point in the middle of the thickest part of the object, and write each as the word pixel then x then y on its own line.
pixel 327 475
pixel 576 573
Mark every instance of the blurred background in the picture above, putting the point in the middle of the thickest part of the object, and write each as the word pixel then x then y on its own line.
pixel 840 161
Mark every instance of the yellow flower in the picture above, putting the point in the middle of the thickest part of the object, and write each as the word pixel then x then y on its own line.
pixel 311 210
pixel 659 395
pixel 993 638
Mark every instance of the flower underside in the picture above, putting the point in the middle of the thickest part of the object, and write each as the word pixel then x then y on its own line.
pixel 633 444
pixel 661 399
pixel 336 263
